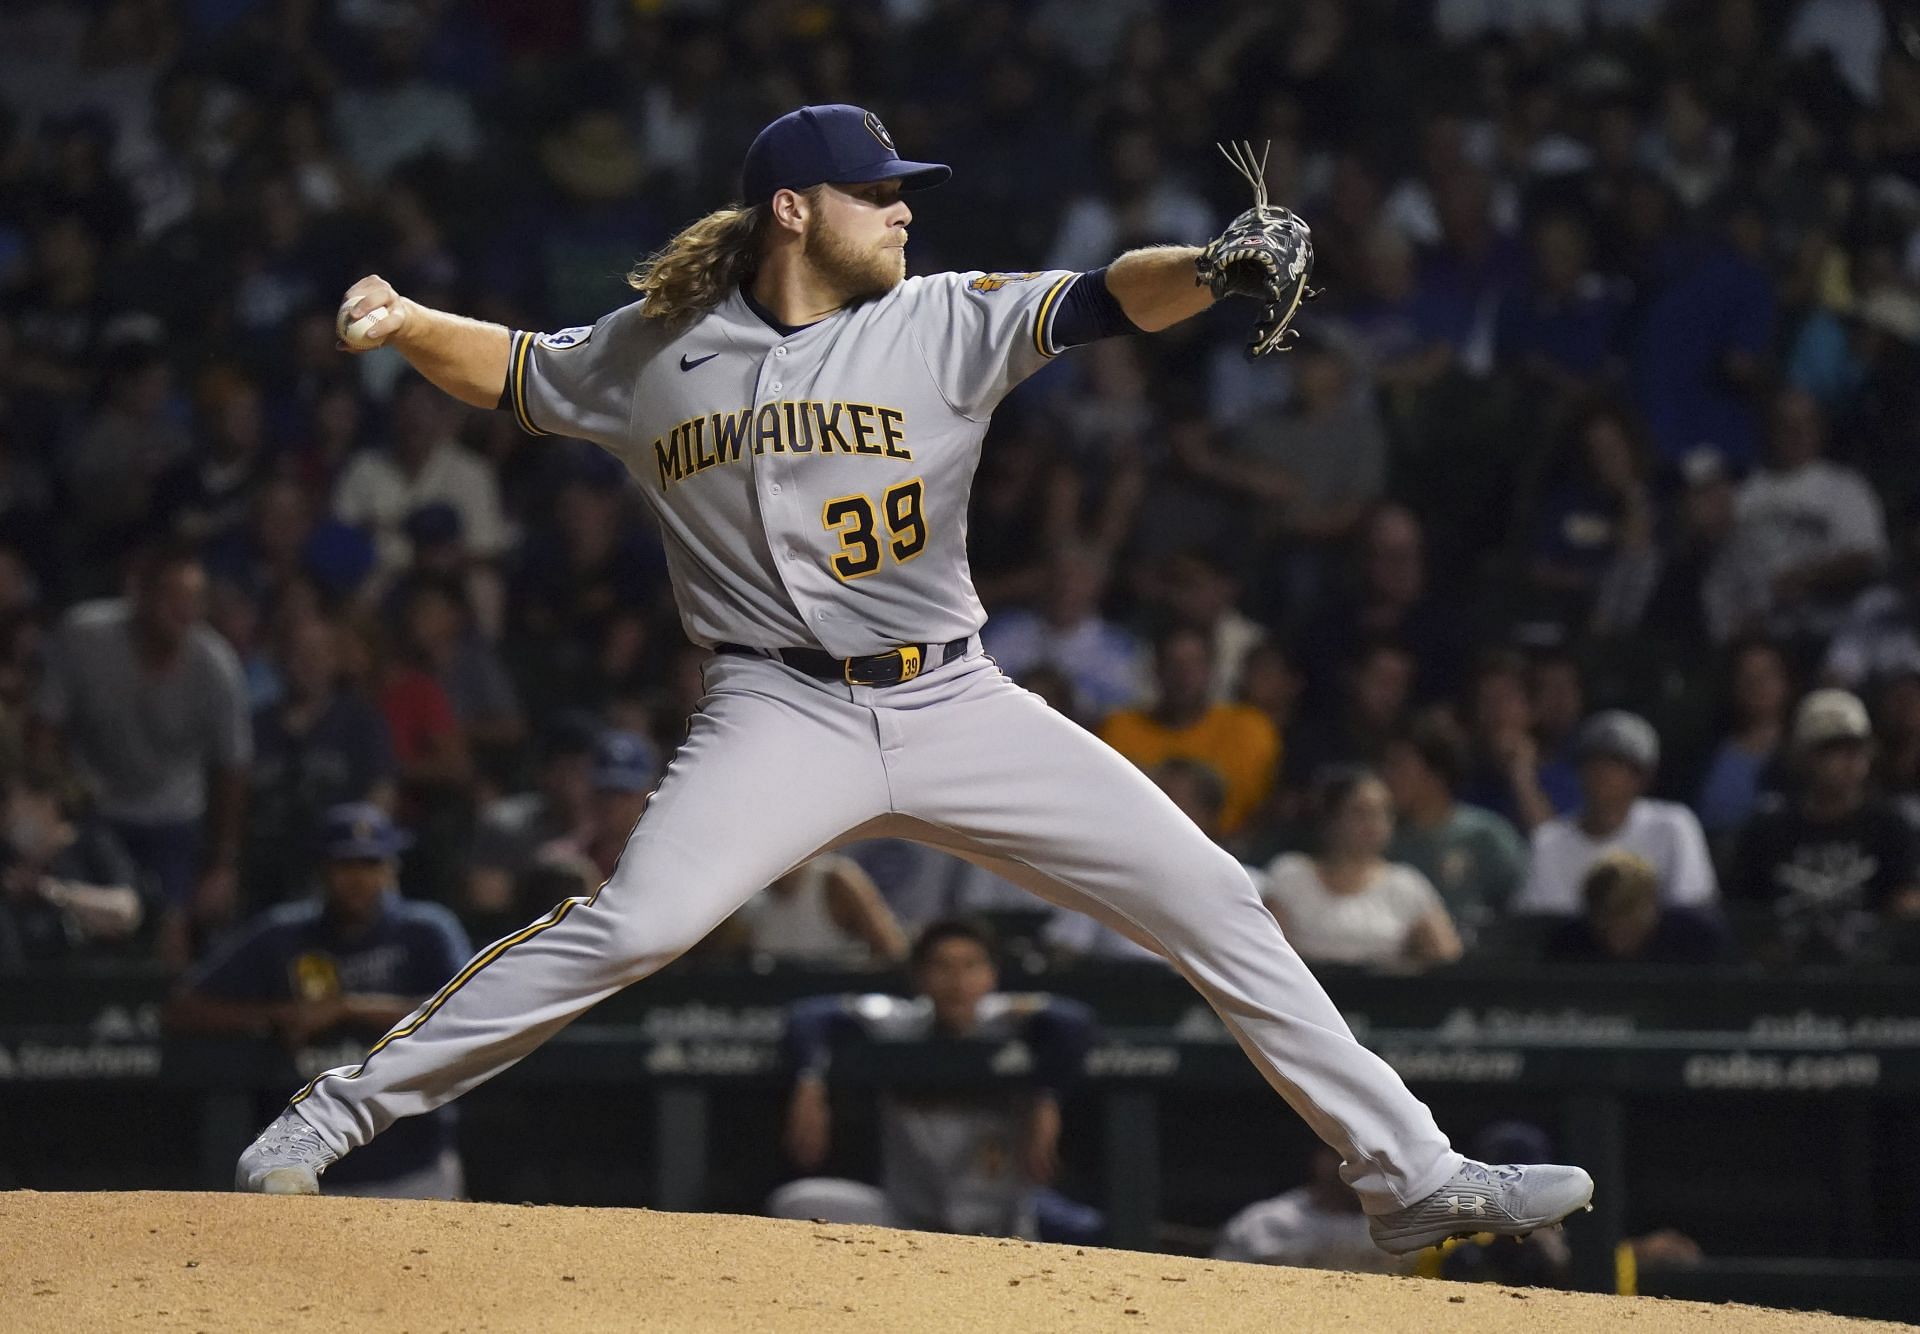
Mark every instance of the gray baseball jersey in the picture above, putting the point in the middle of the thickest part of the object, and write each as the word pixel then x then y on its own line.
pixel 812 485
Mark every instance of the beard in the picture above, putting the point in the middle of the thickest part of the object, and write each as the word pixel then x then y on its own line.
pixel 855 273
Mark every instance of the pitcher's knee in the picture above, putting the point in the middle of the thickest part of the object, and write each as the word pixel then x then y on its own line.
pixel 647 936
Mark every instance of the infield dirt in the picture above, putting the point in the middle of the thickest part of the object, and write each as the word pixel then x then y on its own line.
pixel 110 1262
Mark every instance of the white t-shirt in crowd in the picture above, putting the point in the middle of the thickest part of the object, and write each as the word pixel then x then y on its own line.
pixel 794 920
pixel 1664 833
pixel 374 493
pixel 1818 510
pixel 1292 1230
pixel 1370 926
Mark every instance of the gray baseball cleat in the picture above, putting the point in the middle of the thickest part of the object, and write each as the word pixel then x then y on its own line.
pixel 1507 1201
pixel 286 1159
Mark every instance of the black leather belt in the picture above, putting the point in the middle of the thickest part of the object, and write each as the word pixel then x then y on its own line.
pixel 876 669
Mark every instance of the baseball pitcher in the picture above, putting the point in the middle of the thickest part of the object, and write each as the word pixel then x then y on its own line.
pixel 804 420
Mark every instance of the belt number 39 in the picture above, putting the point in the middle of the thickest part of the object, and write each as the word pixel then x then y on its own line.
pixel 852 519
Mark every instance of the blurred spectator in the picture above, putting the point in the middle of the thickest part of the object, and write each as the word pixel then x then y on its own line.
pixel 1695 379
pixel 1102 660
pixel 1350 904
pixel 1625 923
pixel 1270 681
pixel 27 510
pixel 582 586
pixel 824 913
pixel 1376 693
pixel 512 829
pixel 1690 153
pixel 395 114
pixel 1199 590
pixel 21 634
pixel 625 769
pixel 68 889
pixel 323 744
pixel 1808 532
pixel 1315 1226
pixel 267 555
pixel 1558 329
pixel 206 499
pixel 1619 753
pixel 1667 591
pixel 1236 739
pixel 429 744
pixel 1106 423
pixel 1593 508
pixel 426 463
pixel 438 632
pixel 440 554
pixel 1474 858
pixel 150 705
pixel 1309 477
pixel 1402 340
pixel 1836 858
pixel 1009 513
pixel 346 965
pixel 1507 775
pixel 235 615
pixel 1853 33
pixel 124 448
pixel 1896 715
pixel 1141 202
pixel 1880 632
pixel 1759 691
pixel 1386 597
pixel 1557 692
pixel 967 1161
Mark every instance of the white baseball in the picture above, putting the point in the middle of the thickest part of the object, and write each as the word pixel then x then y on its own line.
pixel 355 334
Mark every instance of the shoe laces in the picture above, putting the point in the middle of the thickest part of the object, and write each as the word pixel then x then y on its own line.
pixel 300 1133
pixel 1490 1174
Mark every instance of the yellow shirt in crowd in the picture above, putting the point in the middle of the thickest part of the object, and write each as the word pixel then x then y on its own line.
pixel 1236 739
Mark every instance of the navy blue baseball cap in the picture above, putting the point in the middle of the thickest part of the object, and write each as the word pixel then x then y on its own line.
pixel 834 143
pixel 361 831
pixel 624 762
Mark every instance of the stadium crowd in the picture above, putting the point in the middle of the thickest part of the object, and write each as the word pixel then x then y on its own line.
pixel 1558 596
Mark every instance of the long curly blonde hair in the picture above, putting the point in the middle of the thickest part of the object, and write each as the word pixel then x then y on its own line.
pixel 692 273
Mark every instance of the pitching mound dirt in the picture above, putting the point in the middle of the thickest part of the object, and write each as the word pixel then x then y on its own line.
pixel 111 1262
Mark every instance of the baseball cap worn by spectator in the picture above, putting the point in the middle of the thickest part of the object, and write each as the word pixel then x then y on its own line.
pixel 1827 717
pixel 624 762
pixel 432 524
pixel 833 143
pixel 1618 735
pixel 360 831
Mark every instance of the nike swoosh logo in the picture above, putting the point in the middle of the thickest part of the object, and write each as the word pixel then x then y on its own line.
pixel 687 364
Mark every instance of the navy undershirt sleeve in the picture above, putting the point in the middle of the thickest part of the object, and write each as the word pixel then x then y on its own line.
pixel 1088 312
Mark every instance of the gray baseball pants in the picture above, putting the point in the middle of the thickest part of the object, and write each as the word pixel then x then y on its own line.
pixel 780 767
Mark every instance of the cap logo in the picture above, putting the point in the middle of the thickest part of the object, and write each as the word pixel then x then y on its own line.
pixel 363 831
pixel 879 131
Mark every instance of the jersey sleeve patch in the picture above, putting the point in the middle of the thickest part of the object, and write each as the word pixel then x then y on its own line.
pixel 562 339
pixel 993 282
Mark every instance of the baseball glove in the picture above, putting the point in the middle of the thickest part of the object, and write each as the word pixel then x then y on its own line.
pixel 1265 253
